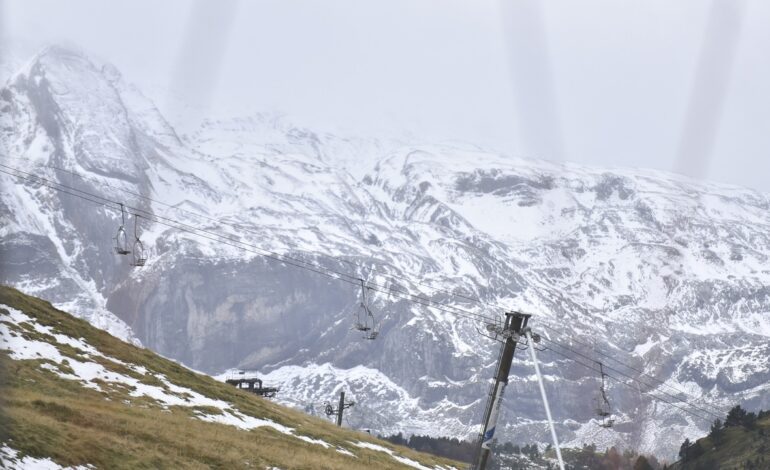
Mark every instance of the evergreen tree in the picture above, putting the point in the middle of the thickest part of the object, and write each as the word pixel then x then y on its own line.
pixel 717 431
pixel 642 464
pixel 735 417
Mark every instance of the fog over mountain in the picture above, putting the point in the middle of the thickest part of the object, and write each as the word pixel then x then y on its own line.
pixel 663 273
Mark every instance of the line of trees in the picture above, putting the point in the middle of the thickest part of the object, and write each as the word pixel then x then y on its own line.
pixel 610 459
pixel 450 448
pixel 511 456
pixel 463 451
pixel 736 417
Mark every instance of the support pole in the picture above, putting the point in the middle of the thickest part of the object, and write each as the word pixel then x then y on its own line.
pixel 332 411
pixel 514 323
pixel 341 408
pixel 533 355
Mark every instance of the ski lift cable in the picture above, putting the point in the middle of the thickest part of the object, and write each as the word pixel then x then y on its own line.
pixel 156 216
pixel 106 203
pixel 247 229
pixel 714 411
pixel 290 261
pixel 626 376
pixel 649 393
pixel 629 384
pixel 101 201
pixel 651 377
pixel 624 364
pixel 389 276
pixel 179 226
pixel 171 223
pixel 718 412
pixel 238 244
pixel 634 383
pixel 273 255
pixel 436 290
pixel 277 257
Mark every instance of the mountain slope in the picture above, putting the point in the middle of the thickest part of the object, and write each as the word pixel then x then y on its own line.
pixel 665 274
pixel 735 447
pixel 78 396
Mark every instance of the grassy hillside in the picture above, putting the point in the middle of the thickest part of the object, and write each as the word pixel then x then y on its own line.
pixel 736 447
pixel 76 395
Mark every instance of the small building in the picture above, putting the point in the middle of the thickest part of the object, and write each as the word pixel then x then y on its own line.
pixel 252 384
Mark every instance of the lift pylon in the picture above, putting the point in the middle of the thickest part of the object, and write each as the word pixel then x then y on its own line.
pixel 509 334
pixel 343 405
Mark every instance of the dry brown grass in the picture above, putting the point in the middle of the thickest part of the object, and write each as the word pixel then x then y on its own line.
pixel 43 415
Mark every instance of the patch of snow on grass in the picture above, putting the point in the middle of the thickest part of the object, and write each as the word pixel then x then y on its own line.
pixel 88 373
pixel 403 460
pixel 344 451
pixel 9 458
pixel 245 422
pixel 319 442
pixel 242 421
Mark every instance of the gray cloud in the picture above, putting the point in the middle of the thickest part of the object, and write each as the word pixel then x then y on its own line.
pixel 596 82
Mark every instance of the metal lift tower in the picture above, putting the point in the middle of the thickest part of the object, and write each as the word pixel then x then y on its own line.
pixel 509 334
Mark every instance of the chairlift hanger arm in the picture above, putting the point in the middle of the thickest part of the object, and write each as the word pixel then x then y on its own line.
pixel 363 292
pixel 136 222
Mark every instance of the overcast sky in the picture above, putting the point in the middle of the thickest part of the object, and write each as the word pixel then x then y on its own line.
pixel 675 85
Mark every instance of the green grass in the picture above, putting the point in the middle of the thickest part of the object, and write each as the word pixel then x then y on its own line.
pixel 44 415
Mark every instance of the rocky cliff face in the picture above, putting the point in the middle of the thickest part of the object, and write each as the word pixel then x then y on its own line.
pixel 668 275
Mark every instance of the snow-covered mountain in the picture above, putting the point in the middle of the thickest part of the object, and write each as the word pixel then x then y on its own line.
pixel 666 274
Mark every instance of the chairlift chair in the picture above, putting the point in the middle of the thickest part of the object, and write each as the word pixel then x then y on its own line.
pixel 140 256
pixel 372 335
pixel 121 239
pixel 603 408
pixel 607 423
pixel 367 324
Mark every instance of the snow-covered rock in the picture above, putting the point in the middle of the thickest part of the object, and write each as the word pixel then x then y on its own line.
pixel 664 273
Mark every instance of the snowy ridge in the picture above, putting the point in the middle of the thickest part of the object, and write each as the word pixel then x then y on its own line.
pixel 664 273
pixel 310 386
